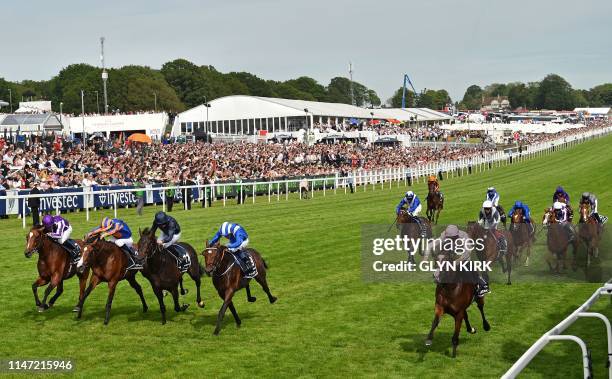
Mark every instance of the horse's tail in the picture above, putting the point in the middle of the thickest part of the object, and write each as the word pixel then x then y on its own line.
pixel 265 264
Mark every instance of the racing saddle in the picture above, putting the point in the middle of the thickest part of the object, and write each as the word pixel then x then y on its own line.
pixel 180 254
pixel 245 261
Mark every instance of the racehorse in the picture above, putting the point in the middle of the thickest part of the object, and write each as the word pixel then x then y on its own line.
pixel 408 226
pixel 53 265
pixel 589 232
pixel 522 234
pixel 435 203
pixel 558 241
pixel 228 278
pixel 162 272
pixel 109 264
pixel 454 294
pixel 489 252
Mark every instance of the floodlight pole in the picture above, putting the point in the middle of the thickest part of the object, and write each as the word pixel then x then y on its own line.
pixel 83 117
pixel 104 75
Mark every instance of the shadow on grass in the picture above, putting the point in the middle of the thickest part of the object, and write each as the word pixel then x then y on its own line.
pixel 208 320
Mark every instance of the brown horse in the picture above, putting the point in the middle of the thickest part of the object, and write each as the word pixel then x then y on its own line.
pixel 407 226
pixel 454 294
pixel 228 278
pixel 523 234
pixel 435 203
pixel 558 240
pixel 589 232
pixel 109 264
pixel 161 270
pixel 489 252
pixel 53 265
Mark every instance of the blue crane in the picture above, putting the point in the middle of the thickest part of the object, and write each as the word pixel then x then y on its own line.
pixel 407 80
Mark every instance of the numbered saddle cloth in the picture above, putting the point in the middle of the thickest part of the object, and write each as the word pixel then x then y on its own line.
pixel 183 260
pixel 245 261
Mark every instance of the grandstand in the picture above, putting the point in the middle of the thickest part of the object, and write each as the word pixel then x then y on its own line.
pixel 248 115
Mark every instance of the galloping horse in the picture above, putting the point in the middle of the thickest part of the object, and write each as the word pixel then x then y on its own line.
pixel 589 232
pixel 558 240
pixel 228 278
pixel 53 265
pixel 162 272
pixel 454 294
pixel 109 264
pixel 435 203
pixel 490 252
pixel 522 234
pixel 408 226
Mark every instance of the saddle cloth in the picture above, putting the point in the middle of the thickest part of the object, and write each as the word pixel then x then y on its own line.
pixel 248 267
pixel 183 260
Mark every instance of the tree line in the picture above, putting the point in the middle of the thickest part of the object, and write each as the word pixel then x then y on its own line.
pixel 553 92
pixel 181 84
pixel 177 86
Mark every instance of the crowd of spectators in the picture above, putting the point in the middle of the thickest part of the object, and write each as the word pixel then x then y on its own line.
pixel 52 162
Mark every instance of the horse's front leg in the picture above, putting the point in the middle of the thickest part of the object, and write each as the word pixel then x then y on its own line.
pixel 438 312
pixel 38 283
pixel 93 282
pixel 59 290
pixel 55 281
pixel 227 299
pixel 82 283
pixel 458 320
pixel 109 301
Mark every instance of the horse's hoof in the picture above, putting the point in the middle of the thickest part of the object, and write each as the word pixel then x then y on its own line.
pixel 486 327
pixel 273 300
pixel 216 332
pixel 184 307
pixel 145 309
pixel 76 309
pixel 472 330
pixel 184 292
pixel 163 322
pixel 40 309
pixel 428 342
pixel 238 325
pixel 252 299
pixel 201 304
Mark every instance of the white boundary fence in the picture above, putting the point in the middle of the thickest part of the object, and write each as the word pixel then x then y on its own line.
pixel 358 178
pixel 555 334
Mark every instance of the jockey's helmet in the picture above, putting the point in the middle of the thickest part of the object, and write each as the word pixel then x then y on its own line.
pixel 47 221
pixel 518 204
pixel 586 195
pixel 161 218
pixel 558 205
pixel 451 231
pixel 107 222
pixel 409 195
pixel 560 189
pixel 491 189
pixel 487 205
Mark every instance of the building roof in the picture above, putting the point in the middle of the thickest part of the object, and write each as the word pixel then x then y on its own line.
pixel 238 107
pixel 602 111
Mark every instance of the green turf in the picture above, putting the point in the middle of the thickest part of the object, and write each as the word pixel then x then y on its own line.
pixel 327 321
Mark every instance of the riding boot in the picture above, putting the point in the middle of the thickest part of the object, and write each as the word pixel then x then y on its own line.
pixel 421 225
pixel 482 287
pixel 503 245
pixel 136 261
pixel 72 248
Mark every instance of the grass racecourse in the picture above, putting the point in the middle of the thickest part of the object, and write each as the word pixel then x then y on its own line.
pixel 327 322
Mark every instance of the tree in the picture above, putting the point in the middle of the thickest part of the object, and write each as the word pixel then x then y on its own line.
pixel 472 99
pixel 518 95
pixel 600 95
pixel 395 101
pixel 554 92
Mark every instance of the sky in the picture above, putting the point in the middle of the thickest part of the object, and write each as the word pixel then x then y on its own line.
pixel 448 44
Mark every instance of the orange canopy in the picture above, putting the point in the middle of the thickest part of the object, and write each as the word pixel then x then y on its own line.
pixel 139 137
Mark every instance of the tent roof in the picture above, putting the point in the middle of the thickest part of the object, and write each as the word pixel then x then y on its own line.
pixel 238 107
pixel 604 110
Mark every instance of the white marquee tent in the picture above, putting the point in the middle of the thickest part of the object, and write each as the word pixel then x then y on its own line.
pixel 240 114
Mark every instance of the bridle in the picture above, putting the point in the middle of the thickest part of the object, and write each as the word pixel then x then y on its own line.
pixel 38 246
pixel 218 261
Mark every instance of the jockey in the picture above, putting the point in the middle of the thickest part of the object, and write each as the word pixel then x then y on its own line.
pixel 591 200
pixel 562 216
pixel 57 228
pixel 561 195
pixel 493 196
pixel 238 239
pixel 489 218
pixel 121 235
pixel 526 213
pixel 433 180
pixel 413 202
pixel 413 208
pixel 171 231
